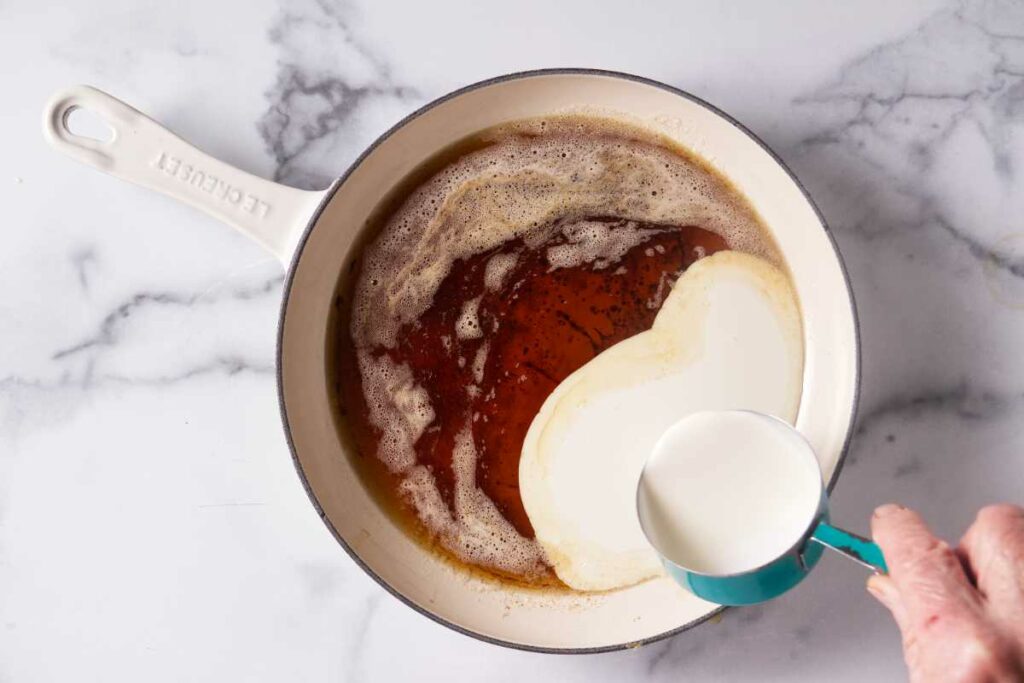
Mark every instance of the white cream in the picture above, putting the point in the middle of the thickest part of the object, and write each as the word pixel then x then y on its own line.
pixel 727 337
pixel 727 492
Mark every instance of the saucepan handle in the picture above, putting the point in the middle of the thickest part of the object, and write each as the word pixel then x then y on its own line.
pixel 146 153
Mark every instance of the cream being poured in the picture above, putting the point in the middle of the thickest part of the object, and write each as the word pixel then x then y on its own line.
pixel 726 492
pixel 727 337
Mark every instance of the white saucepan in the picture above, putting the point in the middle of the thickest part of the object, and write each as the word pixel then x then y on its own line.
pixel 313 233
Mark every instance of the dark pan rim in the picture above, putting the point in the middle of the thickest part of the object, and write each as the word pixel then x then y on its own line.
pixel 290 276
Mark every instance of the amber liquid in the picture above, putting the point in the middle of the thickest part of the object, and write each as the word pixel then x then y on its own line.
pixel 541 325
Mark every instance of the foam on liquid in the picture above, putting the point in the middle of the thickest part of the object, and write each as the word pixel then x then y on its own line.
pixel 727 492
pixel 537 179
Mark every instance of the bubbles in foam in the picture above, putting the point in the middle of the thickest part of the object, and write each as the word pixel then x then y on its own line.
pixel 476 530
pixel 597 242
pixel 479 362
pixel 519 187
pixel 468 324
pixel 397 405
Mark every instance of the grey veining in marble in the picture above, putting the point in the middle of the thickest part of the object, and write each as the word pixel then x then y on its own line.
pixel 328 81
pixel 151 527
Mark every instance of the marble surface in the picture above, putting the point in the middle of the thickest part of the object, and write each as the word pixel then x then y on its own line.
pixel 151 525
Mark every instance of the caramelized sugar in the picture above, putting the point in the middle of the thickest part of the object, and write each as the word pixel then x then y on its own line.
pixel 534 325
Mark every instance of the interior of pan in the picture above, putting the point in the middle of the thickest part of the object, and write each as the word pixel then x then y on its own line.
pixel 516 616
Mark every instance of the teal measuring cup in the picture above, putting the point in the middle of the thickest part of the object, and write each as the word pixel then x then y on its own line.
pixel 795 557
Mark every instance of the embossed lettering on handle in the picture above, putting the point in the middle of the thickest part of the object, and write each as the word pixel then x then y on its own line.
pixel 148 154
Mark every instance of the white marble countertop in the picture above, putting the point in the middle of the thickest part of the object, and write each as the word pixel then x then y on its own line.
pixel 151 525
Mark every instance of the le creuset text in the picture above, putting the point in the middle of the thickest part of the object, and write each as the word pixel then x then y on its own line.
pixel 211 184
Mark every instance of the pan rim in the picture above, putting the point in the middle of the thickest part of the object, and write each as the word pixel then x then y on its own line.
pixel 329 195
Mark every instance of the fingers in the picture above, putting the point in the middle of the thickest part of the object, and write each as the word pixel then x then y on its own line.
pixel 928 575
pixel 947 634
pixel 993 548
pixel 884 590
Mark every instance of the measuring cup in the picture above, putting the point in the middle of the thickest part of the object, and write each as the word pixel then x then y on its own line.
pixel 712 458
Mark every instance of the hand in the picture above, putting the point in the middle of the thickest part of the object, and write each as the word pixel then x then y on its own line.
pixel 961 612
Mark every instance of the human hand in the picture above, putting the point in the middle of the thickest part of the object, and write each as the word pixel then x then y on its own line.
pixel 960 612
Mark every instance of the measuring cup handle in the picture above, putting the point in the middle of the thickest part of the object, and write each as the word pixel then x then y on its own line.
pixel 857 548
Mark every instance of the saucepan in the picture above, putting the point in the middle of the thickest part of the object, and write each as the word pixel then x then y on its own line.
pixel 313 234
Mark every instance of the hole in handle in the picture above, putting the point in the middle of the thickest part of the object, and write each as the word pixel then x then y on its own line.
pixel 87 124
